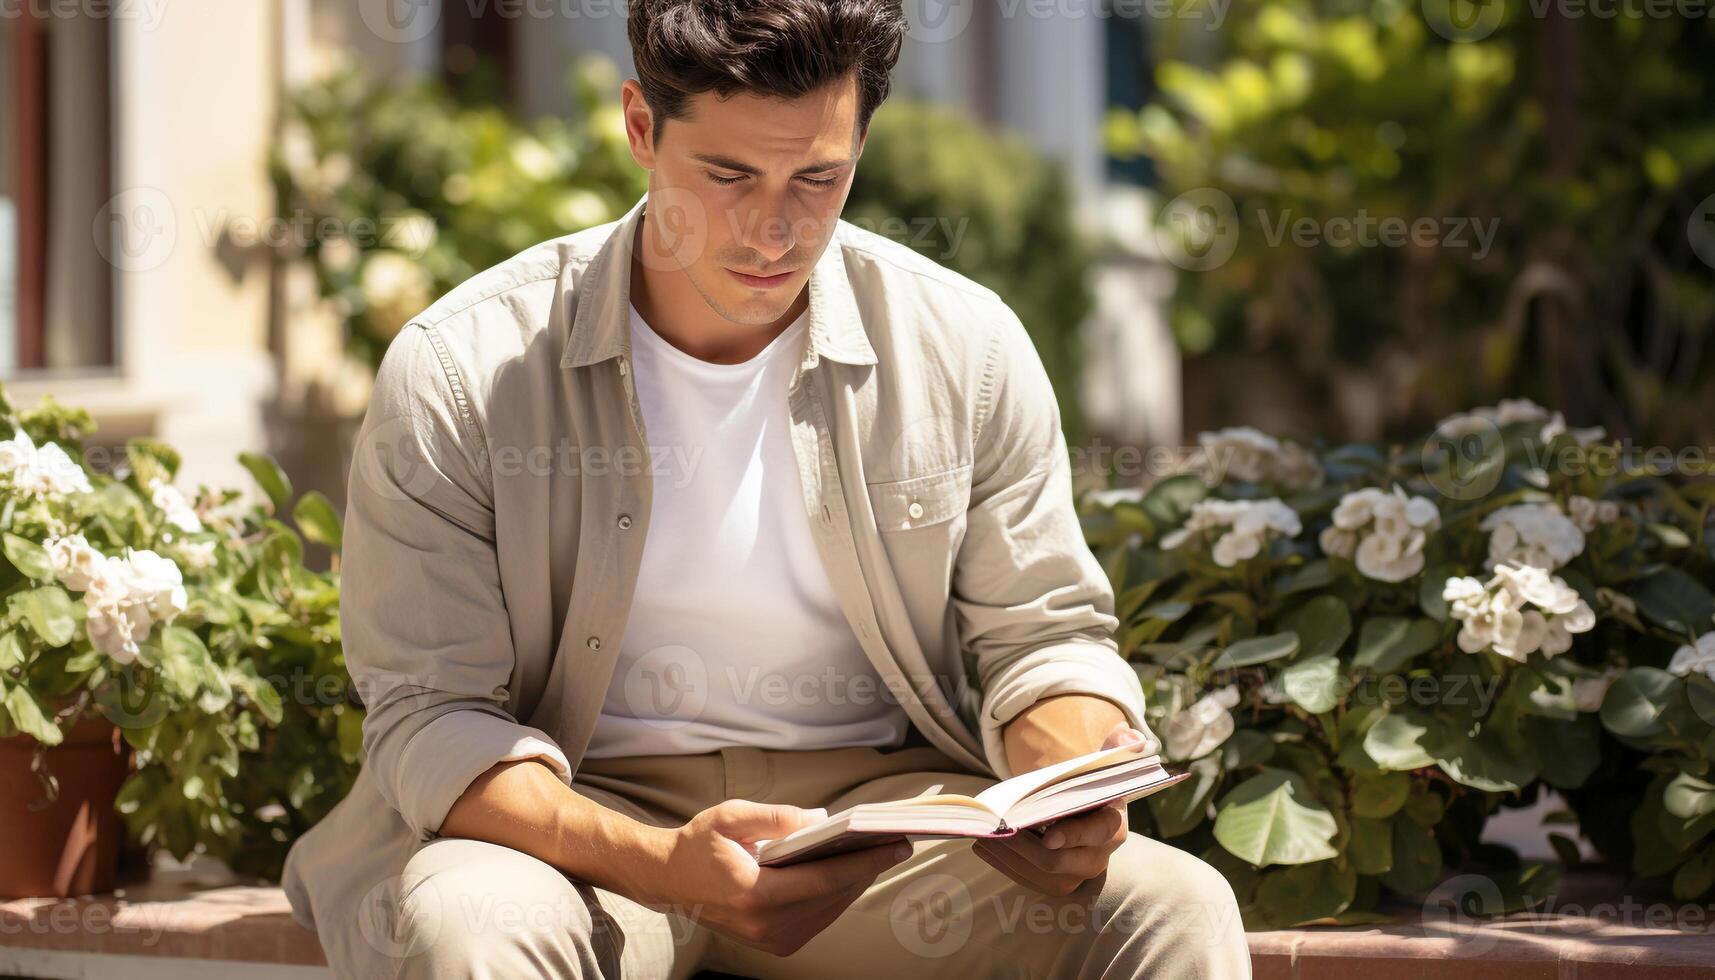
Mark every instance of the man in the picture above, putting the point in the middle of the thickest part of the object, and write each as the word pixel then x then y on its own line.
pixel 676 534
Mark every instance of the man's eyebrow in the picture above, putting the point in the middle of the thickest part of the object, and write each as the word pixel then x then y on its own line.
pixel 728 163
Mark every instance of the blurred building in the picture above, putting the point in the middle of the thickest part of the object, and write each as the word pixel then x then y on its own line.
pixel 133 182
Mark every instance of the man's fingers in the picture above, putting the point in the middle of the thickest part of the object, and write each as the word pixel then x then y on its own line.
pixel 1010 864
pixel 744 820
pixel 1084 830
pixel 830 875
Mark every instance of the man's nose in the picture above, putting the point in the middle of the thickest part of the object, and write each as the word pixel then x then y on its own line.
pixel 771 235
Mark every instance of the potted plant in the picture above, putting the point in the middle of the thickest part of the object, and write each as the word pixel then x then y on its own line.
pixel 148 637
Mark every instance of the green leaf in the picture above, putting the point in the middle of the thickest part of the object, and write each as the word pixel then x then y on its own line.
pixel 1315 684
pixel 29 557
pixel 1322 625
pixel 11 651
pixel 48 610
pixel 1425 809
pixel 1182 807
pixel 1371 847
pixel 1272 818
pixel 1400 741
pixel 1169 502
pixel 1380 796
pixel 1389 643
pixel 315 517
pixel 1639 699
pixel 1695 876
pixel 29 717
pixel 1480 761
pixel 1247 747
pixel 1677 601
pixel 1572 748
pixel 1313 575
pixel 1566 849
pixel 1257 650
pixel 270 478
pixel 1688 797
pixel 1416 858
pixel 1430 588
pixel 1307 893
pixel 152 460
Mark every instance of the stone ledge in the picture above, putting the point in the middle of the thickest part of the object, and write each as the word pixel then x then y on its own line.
pixel 186 923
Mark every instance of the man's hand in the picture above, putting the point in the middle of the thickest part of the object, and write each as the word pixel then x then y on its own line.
pixel 1075 849
pixel 707 870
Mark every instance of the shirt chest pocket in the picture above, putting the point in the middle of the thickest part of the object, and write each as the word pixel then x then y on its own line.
pixel 903 505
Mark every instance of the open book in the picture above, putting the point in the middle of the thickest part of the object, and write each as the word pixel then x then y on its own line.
pixel 1022 802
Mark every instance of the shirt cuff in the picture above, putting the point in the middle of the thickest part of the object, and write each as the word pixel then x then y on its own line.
pixel 445 756
pixel 1066 668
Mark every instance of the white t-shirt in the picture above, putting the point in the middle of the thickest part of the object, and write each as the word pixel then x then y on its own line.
pixel 735 636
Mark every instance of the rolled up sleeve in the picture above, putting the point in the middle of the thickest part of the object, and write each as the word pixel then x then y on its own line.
pixel 1033 606
pixel 427 639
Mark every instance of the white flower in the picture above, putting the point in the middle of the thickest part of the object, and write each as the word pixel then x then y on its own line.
pixel 1251 523
pixel 41 471
pixel 124 599
pixel 75 562
pixel 1590 514
pixel 1382 532
pixel 156 583
pixel 1699 656
pixel 1247 454
pixel 1532 534
pixel 1510 412
pixel 1520 611
pixel 179 512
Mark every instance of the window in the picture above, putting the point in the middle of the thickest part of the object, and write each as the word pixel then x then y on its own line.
pixel 56 287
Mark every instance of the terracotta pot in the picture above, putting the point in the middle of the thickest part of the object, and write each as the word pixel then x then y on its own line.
pixel 70 846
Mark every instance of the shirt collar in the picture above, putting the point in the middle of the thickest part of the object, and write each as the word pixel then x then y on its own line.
pixel 601 328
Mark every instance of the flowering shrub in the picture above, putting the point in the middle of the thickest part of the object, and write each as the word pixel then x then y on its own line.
pixel 190 622
pixel 1362 652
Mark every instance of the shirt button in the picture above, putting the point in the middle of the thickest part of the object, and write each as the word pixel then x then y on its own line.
pixel 625 522
pixel 915 510
pixel 594 643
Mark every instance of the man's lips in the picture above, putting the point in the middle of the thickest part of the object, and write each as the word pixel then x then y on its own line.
pixel 761 282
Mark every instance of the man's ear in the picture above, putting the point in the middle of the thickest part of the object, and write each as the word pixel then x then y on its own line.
pixel 639 123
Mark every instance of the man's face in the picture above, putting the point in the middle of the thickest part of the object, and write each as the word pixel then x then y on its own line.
pixel 745 192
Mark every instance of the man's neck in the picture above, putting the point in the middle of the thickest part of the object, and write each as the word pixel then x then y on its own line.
pixel 673 307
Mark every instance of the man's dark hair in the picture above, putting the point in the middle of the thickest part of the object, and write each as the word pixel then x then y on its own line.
pixel 781 48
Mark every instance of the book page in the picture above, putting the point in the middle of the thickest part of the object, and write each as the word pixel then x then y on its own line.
pixel 1003 796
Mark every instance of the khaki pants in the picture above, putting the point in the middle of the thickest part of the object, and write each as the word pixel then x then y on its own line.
pixel 473 909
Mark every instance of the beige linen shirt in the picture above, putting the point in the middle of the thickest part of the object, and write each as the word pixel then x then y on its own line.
pixel 500 496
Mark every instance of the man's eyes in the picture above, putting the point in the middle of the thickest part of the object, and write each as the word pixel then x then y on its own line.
pixel 812 181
